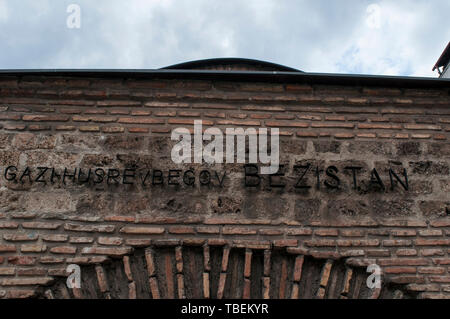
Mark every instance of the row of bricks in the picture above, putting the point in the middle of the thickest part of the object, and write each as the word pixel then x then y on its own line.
pixel 368 244
pixel 70 250
pixel 227 102
pixel 166 130
pixel 61 270
pixel 98 115
pixel 226 230
pixel 37 81
pixel 408 279
pixel 442 222
pixel 129 87
pixel 286 123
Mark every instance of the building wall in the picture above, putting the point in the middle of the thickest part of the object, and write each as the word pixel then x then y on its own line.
pixel 446 73
pixel 54 122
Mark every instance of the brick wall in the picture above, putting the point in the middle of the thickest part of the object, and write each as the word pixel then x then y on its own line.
pixel 83 122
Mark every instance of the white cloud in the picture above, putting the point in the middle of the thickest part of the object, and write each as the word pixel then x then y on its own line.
pixel 3 11
pixel 400 45
pixel 314 36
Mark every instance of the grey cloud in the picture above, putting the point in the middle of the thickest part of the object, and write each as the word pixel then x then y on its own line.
pixel 315 36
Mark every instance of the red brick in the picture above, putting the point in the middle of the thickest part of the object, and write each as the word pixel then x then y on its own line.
pixel 380 126
pixel 321 243
pixel 431 232
pixel 406 252
pixel 10 271
pixel 419 287
pixel 382 91
pixel 422 127
pixel 113 129
pixel 139 130
pixel 142 230
pixel 26 281
pixel 9 225
pixel 118 103
pixel 303 88
pixel 145 84
pixel 407 279
pixel 31 271
pixel 55 238
pixel 51 260
pixel 116 251
pixel 89 128
pixel 344 135
pixel 285 243
pixel 320 254
pixel 69 250
pixel 441 261
pixel 231 230
pixel 351 233
pixel 46 118
pixel 208 230
pixel 404 262
pixel 21 260
pixel 440 223
pixel 138 242
pixel 432 242
pixel 81 240
pixel 420 136
pixel 167 104
pixel 33 248
pixel 260 108
pixel 440 279
pixel 70 111
pixel 378 253
pixel 141 113
pixel 403 232
pixel 112 241
pixel 210 114
pixel 396 242
pixel 41 225
pixel 127 219
pixel 326 232
pixel 65 128
pixel 21 237
pixel 181 230
pixel 431 270
pixel 89 228
pixel 358 242
pixel 270 232
pixel 400 270
pixel 140 120
pixel 332 125
pixel 236 122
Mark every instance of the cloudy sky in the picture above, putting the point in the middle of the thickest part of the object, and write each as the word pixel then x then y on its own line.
pixel 396 37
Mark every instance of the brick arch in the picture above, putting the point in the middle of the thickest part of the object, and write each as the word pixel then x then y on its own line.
pixel 216 272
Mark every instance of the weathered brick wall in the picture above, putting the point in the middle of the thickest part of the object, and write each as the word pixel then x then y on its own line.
pixel 84 122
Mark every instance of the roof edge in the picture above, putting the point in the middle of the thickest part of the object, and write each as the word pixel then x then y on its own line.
pixel 230 60
pixel 256 76
pixel 444 58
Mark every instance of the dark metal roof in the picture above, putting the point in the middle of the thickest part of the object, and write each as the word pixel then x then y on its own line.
pixel 444 58
pixel 230 62
pixel 281 75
